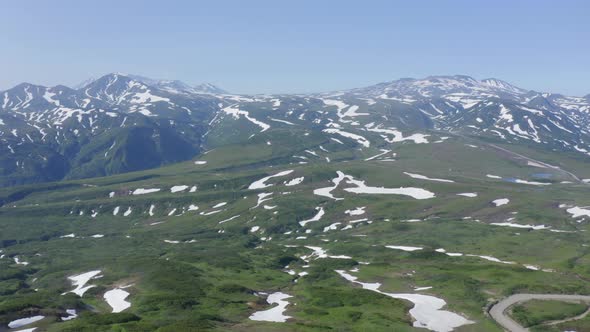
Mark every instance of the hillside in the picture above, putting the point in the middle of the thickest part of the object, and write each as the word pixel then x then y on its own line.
pixel 120 123
pixel 387 208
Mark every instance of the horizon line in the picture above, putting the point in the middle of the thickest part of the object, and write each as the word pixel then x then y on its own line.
pixel 192 85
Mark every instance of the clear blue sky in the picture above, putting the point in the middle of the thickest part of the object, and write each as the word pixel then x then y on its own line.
pixel 297 46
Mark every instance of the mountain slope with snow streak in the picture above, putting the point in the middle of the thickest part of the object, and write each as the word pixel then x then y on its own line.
pixel 51 133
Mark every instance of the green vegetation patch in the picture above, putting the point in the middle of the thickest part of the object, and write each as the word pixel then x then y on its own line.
pixel 536 312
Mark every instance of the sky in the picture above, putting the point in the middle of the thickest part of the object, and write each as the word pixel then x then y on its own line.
pixel 261 46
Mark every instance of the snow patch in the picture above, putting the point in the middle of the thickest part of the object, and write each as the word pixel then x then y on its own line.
pixel 317 217
pixel 509 224
pixel 218 205
pixel 422 177
pixel 116 299
pixel 180 188
pixel 71 315
pixel 275 314
pixel 80 282
pixel 362 188
pixel 500 201
pixel 358 138
pixel 398 136
pixel 294 181
pixel 142 191
pixel 404 248
pixel 236 113
pixel 24 321
pixel 577 211
pixel 259 184
pixel 427 311
pixel 332 227
pixel 356 212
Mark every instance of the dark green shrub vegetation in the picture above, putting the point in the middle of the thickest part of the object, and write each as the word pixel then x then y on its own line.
pixel 535 312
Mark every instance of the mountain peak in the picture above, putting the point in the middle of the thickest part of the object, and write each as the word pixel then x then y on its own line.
pixel 443 85
pixel 457 77
pixel 209 88
pixel 83 83
pixel 170 86
pixel 26 85
pixel 92 80
pixel 177 86
pixel 112 78
pixel 502 85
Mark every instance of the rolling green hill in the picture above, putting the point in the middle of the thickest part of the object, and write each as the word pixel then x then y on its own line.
pixel 204 258
pixel 358 211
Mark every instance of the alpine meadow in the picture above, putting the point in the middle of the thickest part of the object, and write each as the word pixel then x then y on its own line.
pixel 436 203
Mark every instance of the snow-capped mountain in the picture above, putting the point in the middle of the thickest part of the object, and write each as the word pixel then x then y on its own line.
pixel 488 107
pixel 171 86
pixel 437 86
pixel 83 83
pixel 176 86
pixel 209 88
pixel 120 122
pixel 113 124
pixel 502 86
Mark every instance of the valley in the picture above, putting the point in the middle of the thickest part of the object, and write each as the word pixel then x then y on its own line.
pixel 410 205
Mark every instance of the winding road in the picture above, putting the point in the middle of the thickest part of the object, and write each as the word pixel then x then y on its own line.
pixel 499 310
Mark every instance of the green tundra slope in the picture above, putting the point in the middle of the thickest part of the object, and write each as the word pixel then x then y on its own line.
pixel 203 244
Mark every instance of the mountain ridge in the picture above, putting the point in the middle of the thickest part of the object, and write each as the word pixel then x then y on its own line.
pixel 214 89
pixel 42 124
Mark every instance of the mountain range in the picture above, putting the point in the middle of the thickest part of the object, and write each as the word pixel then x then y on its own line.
pixel 120 123
pixel 132 204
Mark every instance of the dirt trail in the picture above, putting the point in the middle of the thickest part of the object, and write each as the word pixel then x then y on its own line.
pixel 572 175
